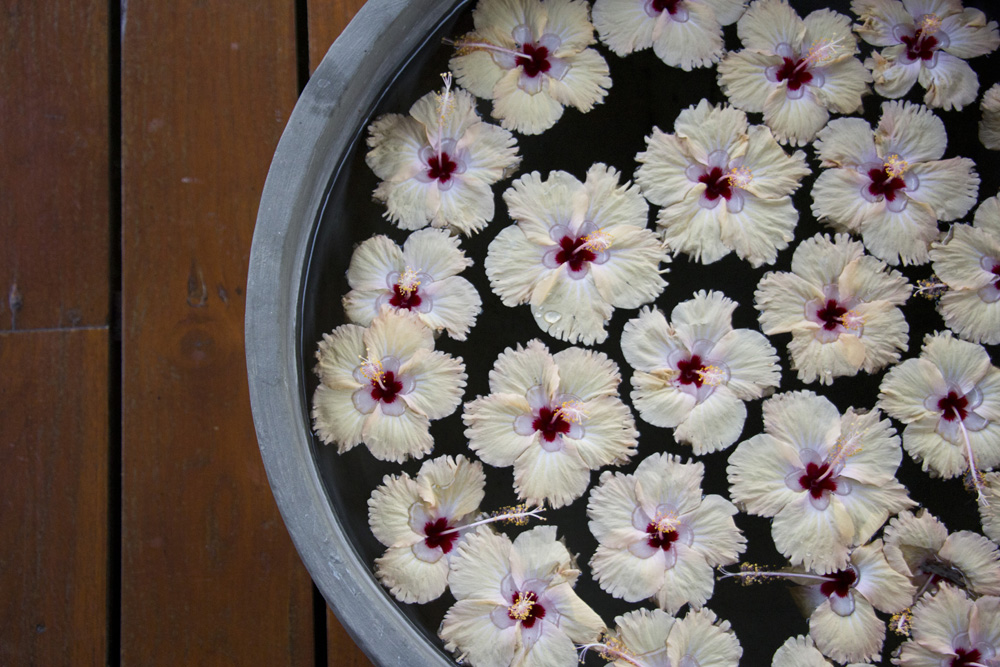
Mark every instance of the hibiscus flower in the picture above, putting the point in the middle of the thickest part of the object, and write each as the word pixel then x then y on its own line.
pixel 891 185
pixel 795 71
pixel 800 651
pixel 951 629
pixel 694 373
pixel 723 186
pixel 531 58
pixel 989 126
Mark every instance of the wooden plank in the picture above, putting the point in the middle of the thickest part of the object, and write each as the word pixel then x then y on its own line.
pixel 54 201
pixel 341 649
pixel 327 19
pixel 209 574
pixel 54 497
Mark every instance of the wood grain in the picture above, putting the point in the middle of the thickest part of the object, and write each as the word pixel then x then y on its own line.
pixel 54 200
pixel 209 575
pixel 54 497
pixel 327 19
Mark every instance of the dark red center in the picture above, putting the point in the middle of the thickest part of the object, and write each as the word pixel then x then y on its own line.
pixel 403 299
pixel 841 584
pixel 811 482
pixel 550 423
pixel 920 46
pixel 996 272
pixel 795 72
pixel 386 392
pixel 831 315
pixel 441 169
pixel 884 185
pixel 435 539
pixel 536 612
pixel 716 184
pixel 953 405
pixel 535 60
pixel 573 252
pixel 964 657
pixel 690 370
pixel 659 540
pixel 670 6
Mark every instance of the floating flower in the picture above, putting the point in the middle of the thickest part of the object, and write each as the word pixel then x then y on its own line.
pixel 841 307
pixel 989 511
pixel 658 536
pixel 654 638
pixel 422 278
pixel 891 185
pixel 554 418
pixel 531 58
pixel 382 386
pixel 950 629
pixel 694 373
pixel 920 548
pixel 577 252
pixel 828 480
pixel 800 651
pixel 683 33
pixel 515 601
pixel 989 126
pixel 723 185
pixel 795 71
pixel 968 264
pixel 926 42
pixel 420 521
pixel 438 164
pixel 949 399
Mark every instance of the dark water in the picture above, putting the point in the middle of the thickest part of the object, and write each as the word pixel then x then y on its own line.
pixel 645 93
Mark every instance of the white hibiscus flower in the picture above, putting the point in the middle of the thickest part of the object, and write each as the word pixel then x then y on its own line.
pixel 950 629
pixel 800 651
pixel 989 126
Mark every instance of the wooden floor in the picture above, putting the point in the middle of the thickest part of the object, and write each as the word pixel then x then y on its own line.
pixel 136 522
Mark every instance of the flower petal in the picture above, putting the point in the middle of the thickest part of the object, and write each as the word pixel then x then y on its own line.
pixel 961 363
pixel 768 23
pixel 797 121
pixel 658 400
pixel 715 533
pixel 775 172
pixel 855 637
pixel 977 558
pixel 950 84
pixel 647 341
pixel 878 18
pixel 468 629
pixel 609 433
pixel 335 418
pixel 397 438
pixel 906 387
pixel 372 262
pixel 521 111
pixel 440 383
pixel 397 334
pixel 576 619
pixel 631 276
pixel 553 477
pixel 537 554
pixel 713 424
pixel 662 168
pixel 803 420
pixel 912 131
pixel 760 229
pixel 817 360
pixel 584 85
pixel 966 314
pixel 948 186
pixel 587 374
pixel 798 652
pixel 846 81
pixel 690 581
pixel 454 485
pixel 490 428
pixel 781 299
pixel 701 637
pixel 610 508
pixel 623 575
pixel 623 25
pixel 519 369
pixel 456 307
pixel 479 565
pixel 409 578
pixel 696 42
pixel 395 141
pixel 817 540
pixel 757 470
pixel 752 363
pixel 743 78
pixel 572 310
pixel 689 228
pixel 922 441
pixel 846 141
pixel 514 265
pixel 939 618
pixel 389 511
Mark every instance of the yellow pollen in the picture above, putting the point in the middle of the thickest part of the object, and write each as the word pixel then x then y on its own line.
pixel 740 176
pixel 895 166
pixel 853 320
pixel 900 623
pixel 929 24
pixel 598 240
pixel 371 368
pixel 713 376
pixel 572 411
pixel 666 523
pixel 822 51
pixel 521 609
pixel 408 281
pixel 445 100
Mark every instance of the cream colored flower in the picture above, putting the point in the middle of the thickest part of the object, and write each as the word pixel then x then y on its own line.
pixel 891 185
pixel 422 278
pixel 554 418
pixel 723 186
pixel 950 629
pixel 949 399
pixel 926 41
pixel 989 126
pixel 920 548
pixel 658 536
pixel 531 58
pixel 383 385
pixel 841 307
pixel 438 164
pixel 515 602
pixel 828 480
pixel 654 638
pixel 577 252
pixel 967 261
pixel 682 33
pixel 989 511
pixel 800 651
pixel 694 373
pixel 795 71
pixel 419 521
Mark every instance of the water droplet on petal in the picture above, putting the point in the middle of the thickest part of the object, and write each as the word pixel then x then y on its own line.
pixel 552 317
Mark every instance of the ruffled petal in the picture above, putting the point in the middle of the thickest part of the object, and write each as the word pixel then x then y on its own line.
pixel 922 441
pixel 855 637
pixel 870 506
pixel 610 509
pixel 586 374
pixel 490 428
pixel 456 307
pixel 837 199
pixel 662 168
pixel 846 81
pixel 727 12
pixel 781 299
pixel 439 383
pixel 519 369
pixel 884 334
pixel 958 261
pixel 969 34
pixel 973 319
pixel 397 438
pixel 950 84
pixel 989 126
pixel 409 578
pixel 948 186
pixel 479 565
pixel 696 42
pixel 702 637
pixel 389 511
pixel 798 652
pixel 477 72
pixel 647 341
pixel 705 317
pixel 870 280
pixel 584 85
pixel 467 206
pixel 468 629
pixel 900 237
pixel 576 619
pixel 713 424
pixel 822 261
pixel 743 78
pixel 623 25
pixel 434 252
pixel 715 533
pixel 892 79
pixel 645 631
pixel 906 387
pixel 768 23
pixel 757 471
pixel 662 479
pixel 846 141
pixel 775 173
pixel 395 142
pixel 817 540
pixel 454 485
pixel 372 262
pixel 879 455
pixel 611 204
pixel 623 575
pixel 939 618
pixel 572 310
pixel 689 228
pixel 521 111
pixel 537 554
pixel 752 363
pixel 631 276
pixel 658 400
pixel 977 558
pixel 878 18
pixel 514 265
pixel 912 131
pixel 609 433
pixel 690 581
pixel 962 364
pixel 816 360
pixel 803 420
pixel 556 478
pixel 761 229
pixel 397 334
pixel 794 122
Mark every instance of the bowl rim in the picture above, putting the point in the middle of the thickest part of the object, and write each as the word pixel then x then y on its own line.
pixel 333 107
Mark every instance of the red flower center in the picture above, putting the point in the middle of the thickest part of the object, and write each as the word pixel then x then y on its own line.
pixel 795 72
pixel 670 6
pixel 660 539
pixel 435 539
pixel 884 185
pixel 525 608
pixel 996 272
pixel 841 584
pixel 550 423
pixel 441 168
pixel 572 251
pixel 691 371
pixel 535 60
pixel 386 392
pixel 405 298
pixel 831 315
pixel 953 405
pixel 716 184
pixel 811 481
pixel 920 46
pixel 964 657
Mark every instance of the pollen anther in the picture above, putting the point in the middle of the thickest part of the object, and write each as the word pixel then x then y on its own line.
pixel 740 177
pixel 895 166
pixel 371 368
pixel 408 281
pixel 521 609
pixel 598 240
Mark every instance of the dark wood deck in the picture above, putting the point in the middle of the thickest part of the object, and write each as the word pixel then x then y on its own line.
pixel 137 525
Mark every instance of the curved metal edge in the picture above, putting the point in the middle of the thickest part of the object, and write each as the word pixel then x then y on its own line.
pixel 312 146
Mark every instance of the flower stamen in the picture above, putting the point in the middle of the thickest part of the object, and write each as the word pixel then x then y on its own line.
pixel 610 648
pixel 975 479
pixel 895 166
pixel 902 622
pixel 446 105
pixel 408 281
pixel 371 368
pixel 572 411
pixel 711 375
pixel 751 573
pixel 931 288
pixel 521 609
pixel 740 177
pixel 517 515
pixel 665 523
pixel 853 320
pixel 929 24
pixel 822 51
pixel 597 241
pixel 844 449
pixel 466 45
